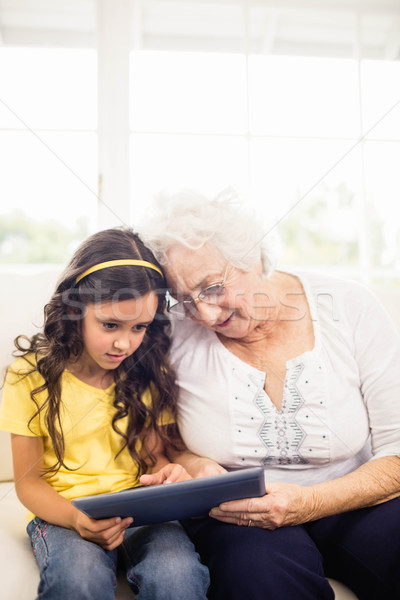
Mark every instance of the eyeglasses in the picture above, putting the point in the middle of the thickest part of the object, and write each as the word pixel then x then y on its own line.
pixel 212 294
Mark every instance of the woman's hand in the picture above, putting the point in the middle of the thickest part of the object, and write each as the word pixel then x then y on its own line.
pixel 170 473
pixel 107 533
pixel 372 483
pixel 284 504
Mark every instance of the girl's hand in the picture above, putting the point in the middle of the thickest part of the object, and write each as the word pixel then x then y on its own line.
pixel 174 472
pixel 284 504
pixel 107 533
pixel 170 473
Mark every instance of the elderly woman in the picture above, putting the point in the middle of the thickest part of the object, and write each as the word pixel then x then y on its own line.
pixel 298 373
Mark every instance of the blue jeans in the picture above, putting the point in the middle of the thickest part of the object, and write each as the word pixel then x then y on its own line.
pixel 360 548
pixel 159 560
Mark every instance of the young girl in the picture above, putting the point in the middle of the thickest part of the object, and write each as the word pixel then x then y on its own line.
pixel 90 404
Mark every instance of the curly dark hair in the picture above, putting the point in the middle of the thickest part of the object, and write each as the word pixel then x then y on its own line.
pixel 61 342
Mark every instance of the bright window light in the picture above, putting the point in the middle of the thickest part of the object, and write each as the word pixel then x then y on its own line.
pixel 188 92
pixel 292 143
pixel 48 88
pixel 380 87
pixel 298 96
pixel 298 109
pixel 48 152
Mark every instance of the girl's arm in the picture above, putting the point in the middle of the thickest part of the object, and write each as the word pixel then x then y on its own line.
pixel 42 500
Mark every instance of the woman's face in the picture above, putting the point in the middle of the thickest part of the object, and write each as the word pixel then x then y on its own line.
pixel 238 310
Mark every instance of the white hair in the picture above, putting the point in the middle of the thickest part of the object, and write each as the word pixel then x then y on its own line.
pixel 192 220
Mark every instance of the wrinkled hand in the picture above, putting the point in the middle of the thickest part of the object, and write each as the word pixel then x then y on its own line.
pixel 284 504
pixel 168 474
pixel 107 533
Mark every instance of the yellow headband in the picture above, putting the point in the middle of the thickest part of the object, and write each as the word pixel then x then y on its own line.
pixel 118 263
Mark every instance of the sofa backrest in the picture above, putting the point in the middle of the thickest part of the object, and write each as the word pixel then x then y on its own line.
pixel 24 292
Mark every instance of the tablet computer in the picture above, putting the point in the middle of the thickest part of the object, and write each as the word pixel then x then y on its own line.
pixel 181 500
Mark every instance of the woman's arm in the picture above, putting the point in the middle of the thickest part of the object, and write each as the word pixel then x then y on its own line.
pixel 198 466
pixel 42 500
pixel 177 465
pixel 373 483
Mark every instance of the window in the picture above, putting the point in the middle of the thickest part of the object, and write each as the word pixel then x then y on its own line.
pixel 297 108
pixel 296 105
pixel 48 152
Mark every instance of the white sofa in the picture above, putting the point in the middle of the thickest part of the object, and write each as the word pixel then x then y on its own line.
pixel 19 575
pixel 21 301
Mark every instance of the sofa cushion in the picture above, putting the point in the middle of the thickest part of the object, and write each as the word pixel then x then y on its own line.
pixel 6 470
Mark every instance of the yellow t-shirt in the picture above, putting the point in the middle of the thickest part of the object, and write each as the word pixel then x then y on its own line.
pixel 91 444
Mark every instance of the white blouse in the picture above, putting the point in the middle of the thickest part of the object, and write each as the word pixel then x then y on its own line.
pixel 341 401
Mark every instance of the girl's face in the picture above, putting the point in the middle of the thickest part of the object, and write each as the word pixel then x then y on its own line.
pixel 112 331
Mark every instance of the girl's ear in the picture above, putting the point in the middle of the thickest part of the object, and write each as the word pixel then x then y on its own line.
pixel 74 309
pixel 75 313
